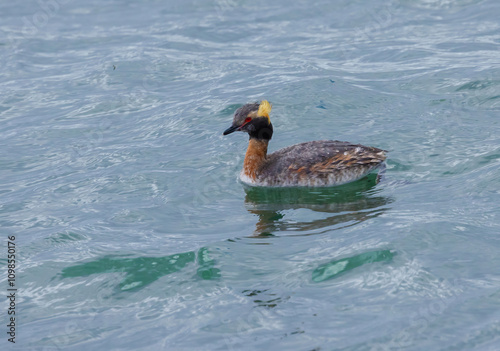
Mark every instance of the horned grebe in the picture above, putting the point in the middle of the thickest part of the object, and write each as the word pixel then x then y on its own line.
pixel 314 163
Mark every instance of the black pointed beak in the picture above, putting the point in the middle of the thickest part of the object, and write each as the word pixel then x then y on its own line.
pixel 230 130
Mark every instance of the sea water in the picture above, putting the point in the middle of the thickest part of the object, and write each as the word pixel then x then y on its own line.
pixel 132 231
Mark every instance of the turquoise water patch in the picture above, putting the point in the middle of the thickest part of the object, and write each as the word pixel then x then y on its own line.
pixel 142 271
pixel 337 267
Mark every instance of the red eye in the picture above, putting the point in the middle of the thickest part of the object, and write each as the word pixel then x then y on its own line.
pixel 248 119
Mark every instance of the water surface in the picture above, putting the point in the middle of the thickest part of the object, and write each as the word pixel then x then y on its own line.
pixel 133 232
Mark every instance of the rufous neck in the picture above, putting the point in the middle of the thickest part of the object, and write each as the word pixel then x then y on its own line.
pixel 255 157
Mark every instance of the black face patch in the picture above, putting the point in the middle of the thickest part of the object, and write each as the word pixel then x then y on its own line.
pixel 260 128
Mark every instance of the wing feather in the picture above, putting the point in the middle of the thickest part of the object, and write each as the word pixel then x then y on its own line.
pixel 320 159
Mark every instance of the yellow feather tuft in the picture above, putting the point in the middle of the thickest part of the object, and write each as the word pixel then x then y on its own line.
pixel 264 109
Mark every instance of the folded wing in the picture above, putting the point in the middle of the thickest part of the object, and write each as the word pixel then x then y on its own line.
pixel 322 162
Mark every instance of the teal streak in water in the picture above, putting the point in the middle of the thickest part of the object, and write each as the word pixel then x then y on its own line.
pixel 335 268
pixel 207 270
pixel 142 271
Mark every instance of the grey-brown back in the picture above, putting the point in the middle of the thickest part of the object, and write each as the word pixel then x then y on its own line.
pixel 317 163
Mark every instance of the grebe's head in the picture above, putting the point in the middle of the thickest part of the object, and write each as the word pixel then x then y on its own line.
pixel 254 120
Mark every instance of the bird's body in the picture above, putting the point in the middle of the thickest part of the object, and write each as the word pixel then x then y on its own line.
pixel 313 164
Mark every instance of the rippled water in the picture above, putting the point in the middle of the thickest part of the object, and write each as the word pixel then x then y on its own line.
pixel 133 231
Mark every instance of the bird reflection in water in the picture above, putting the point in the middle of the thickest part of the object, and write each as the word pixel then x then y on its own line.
pixel 345 205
